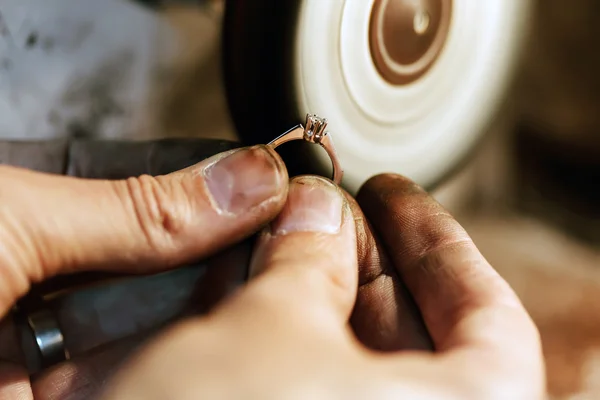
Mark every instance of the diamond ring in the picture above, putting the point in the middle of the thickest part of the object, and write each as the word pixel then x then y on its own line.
pixel 313 131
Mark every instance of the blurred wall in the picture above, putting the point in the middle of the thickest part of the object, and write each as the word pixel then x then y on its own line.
pixel 109 68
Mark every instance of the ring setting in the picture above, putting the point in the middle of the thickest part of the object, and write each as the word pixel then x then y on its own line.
pixel 314 131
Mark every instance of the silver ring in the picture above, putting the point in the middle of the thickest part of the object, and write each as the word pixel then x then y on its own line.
pixel 314 132
pixel 41 338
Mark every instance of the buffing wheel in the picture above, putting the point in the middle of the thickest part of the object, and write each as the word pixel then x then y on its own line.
pixel 408 86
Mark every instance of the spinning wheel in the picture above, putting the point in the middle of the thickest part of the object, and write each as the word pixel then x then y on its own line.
pixel 407 86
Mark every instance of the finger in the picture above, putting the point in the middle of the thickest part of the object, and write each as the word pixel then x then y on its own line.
pixel 444 271
pixel 467 307
pixel 304 264
pixel 53 224
pixel 384 316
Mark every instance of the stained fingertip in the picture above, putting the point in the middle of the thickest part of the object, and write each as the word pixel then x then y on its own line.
pixel 412 223
pixel 390 183
pixel 450 280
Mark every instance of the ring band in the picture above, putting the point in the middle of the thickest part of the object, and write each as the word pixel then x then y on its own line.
pixel 313 132
pixel 41 338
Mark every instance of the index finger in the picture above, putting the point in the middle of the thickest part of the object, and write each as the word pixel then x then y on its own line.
pixel 465 304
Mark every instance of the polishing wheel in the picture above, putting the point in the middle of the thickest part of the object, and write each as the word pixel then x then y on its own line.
pixel 408 86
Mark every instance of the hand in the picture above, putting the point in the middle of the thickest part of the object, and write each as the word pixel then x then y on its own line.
pixel 52 225
pixel 287 333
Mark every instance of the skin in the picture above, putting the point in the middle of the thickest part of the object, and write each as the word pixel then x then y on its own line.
pixel 382 296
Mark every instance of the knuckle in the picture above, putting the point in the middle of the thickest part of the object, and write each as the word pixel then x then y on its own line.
pixel 18 261
pixel 158 209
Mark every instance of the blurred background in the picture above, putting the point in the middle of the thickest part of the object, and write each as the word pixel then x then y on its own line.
pixel 527 192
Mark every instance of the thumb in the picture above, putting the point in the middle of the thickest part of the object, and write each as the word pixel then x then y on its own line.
pixel 56 224
pixel 305 263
